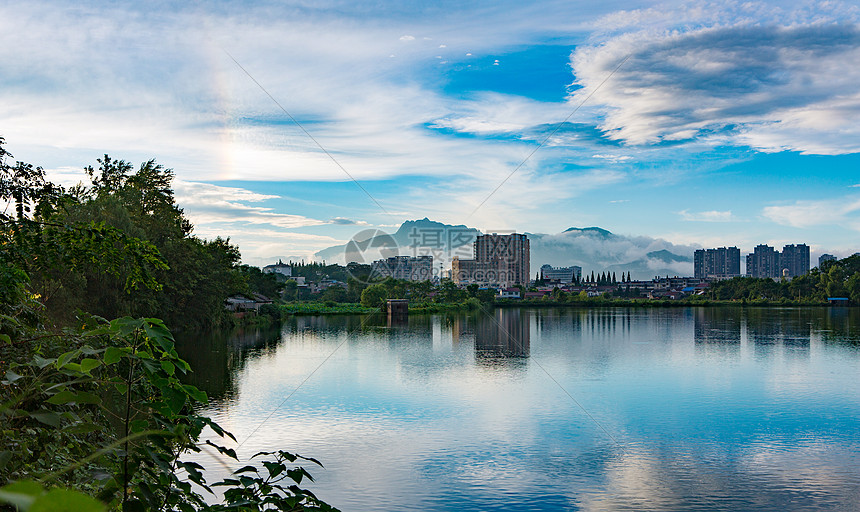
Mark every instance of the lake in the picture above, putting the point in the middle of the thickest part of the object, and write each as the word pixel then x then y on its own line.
pixel 552 409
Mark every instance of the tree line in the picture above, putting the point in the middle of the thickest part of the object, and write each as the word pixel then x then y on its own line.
pixel 839 278
pixel 95 413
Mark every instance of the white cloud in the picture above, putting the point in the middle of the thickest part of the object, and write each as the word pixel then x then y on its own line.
pixel 348 222
pixel 205 203
pixel 730 73
pixel 707 216
pixel 807 213
pixel 407 38
pixel 613 158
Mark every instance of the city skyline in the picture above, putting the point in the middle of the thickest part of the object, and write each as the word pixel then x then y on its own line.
pixel 743 131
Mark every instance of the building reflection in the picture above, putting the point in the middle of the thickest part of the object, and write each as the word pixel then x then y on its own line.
pixel 717 326
pixel 791 328
pixel 502 334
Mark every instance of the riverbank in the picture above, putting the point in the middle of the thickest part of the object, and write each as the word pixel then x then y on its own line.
pixel 319 308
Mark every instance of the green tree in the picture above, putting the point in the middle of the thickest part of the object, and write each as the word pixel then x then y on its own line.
pixel 374 296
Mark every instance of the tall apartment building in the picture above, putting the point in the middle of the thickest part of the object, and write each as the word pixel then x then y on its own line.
pixel 562 275
pixel 825 257
pixel 794 259
pixel 409 268
pixel 717 263
pixel 500 260
pixel 765 261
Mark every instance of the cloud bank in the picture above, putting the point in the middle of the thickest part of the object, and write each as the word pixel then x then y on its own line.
pixel 728 74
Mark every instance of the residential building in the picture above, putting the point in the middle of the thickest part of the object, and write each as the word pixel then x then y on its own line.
pixel 763 262
pixel 795 260
pixel 720 263
pixel 825 257
pixel 279 268
pixel 499 261
pixel 409 268
pixel 562 275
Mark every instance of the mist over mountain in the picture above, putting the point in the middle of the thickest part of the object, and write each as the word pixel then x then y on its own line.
pixel 598 249
pixel 592 248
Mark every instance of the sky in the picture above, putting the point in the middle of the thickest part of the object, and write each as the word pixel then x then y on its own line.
pixel 292 126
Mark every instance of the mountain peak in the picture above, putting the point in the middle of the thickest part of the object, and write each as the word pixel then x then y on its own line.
pixel 666 256
pixel 591 231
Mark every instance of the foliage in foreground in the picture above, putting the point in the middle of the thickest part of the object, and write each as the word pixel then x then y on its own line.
pixel 119 389
pixel 96 417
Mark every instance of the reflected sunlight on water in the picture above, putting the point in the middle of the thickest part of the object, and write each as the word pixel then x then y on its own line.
pixel 714 409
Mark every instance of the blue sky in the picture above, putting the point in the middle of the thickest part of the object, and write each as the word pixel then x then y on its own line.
pixel 727 123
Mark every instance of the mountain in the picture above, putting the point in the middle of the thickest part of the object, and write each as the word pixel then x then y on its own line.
pixel 600 232
pixel 656 263
pixel 412 238
pixel 591 248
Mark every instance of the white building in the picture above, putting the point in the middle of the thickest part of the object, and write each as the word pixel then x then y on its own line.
pixel 279 268
pixel 563 275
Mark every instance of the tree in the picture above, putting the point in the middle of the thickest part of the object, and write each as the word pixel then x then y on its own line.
pixel 291 289
pixel 374 296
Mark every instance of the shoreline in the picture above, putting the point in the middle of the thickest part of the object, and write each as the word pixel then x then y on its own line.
pixel 434 308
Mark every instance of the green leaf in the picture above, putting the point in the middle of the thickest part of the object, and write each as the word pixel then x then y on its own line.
pixel 195 393
pixel 158 333
pixel 41 362
pixel 85 397
pixel 125 325
pixel 20 494
pixel 74 367
pixel 63 397
pixel 175 399
pixel 12 377
pixel 83 428
pixel 47 417
pixel 64 500
pixel 121 387
pixel 89 364
pixel 274 468
pixel 64 359
pixel 168 367
pixel 245 469
pixel 113 355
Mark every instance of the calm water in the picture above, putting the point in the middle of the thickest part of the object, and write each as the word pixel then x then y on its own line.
pixel 554 409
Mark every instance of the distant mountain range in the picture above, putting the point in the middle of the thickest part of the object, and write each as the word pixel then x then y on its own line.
pixel 592 248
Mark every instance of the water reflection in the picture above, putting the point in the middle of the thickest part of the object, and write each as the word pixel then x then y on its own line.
pixel 217 357
pixel 436 413
pixel 787 328
pixel 717 325
pixel 502 333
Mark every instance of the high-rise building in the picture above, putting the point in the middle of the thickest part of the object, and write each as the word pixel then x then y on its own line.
pixel 717 263
pixel 795 260
pixel 409 268
pixel 562 275
pixel 825 257
pixel 763 262
pixel 500 260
